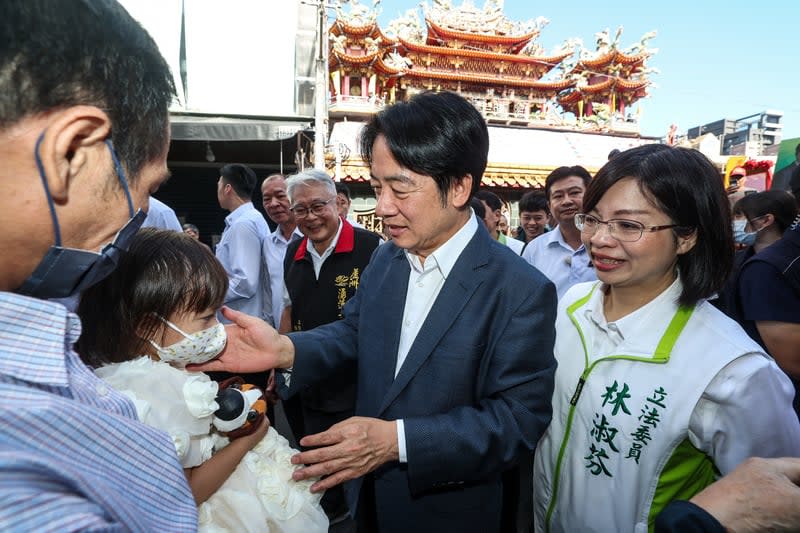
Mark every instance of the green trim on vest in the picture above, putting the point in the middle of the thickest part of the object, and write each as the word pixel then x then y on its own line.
pixel 660 356
pixel 687 472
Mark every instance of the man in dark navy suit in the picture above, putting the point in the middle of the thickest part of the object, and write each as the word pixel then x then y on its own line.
pixel 451 331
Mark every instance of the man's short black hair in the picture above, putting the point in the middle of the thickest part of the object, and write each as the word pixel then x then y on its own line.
pixel 440 135
pixel 533 201
pixel 491 199
pixel 562 173
pixel 477 206
pixel 241 178
pixel 343 189
pixel 61 53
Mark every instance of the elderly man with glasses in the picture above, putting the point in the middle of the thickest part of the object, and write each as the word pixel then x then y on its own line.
pixel 321 273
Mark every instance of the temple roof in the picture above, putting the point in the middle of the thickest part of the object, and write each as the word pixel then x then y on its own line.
pixel 437 33
pixel 610 57
pixel 543 86
pixel 549 61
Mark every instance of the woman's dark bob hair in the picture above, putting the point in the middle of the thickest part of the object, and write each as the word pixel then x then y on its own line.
pixel 164 272
pixel 684 184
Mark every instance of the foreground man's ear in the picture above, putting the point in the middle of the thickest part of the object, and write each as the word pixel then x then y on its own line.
pixel 73 138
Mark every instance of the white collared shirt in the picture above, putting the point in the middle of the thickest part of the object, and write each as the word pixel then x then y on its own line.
pixel 425 281
pixel 275 246
pixel 317 260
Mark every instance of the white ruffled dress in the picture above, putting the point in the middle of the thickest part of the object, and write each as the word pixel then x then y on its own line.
pixel 260 494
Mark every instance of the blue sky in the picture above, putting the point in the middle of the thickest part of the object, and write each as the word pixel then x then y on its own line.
pixel 717 59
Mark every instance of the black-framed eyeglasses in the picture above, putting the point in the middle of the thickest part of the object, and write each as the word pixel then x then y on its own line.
pixel 620 229
pixel 316 208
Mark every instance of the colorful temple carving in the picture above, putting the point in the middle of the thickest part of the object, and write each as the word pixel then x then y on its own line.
pixel 558 100
pixel 496 63
pixel 609 81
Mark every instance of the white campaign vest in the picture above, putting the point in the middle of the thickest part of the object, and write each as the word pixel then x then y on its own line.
pixel 617 449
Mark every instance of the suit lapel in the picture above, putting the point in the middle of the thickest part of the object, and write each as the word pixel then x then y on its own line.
pixel 459 286
pixel 393 289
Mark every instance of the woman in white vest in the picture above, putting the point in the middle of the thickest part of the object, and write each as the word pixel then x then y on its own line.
pixel 657 393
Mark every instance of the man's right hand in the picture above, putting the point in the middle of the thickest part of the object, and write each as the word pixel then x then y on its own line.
pixel 253 346
pixel 759 495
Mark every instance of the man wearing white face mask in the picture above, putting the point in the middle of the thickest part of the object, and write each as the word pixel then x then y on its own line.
pixel 82 147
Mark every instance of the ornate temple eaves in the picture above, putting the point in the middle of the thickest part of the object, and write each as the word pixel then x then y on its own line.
pixel 611 57
pixel 502 176
pixel 347 59
pixel 437 32
pixel 542 86
pixel 342 27
pixel 549 61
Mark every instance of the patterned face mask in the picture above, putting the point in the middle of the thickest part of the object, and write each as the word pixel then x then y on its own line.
pixel 195 348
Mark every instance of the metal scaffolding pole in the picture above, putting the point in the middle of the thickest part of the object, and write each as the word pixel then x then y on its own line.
pixel 321 87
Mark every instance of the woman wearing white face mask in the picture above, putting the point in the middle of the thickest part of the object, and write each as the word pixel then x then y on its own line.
pixel 142 325
pixel 760 219
pixel 765 308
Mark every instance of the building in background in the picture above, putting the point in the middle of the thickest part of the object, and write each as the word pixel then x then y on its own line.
pixel 246 78
pixel 753 135
pixel 569 106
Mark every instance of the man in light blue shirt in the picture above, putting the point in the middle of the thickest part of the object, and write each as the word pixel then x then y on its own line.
pixel 559 254
pixel 160 215
pixel 239 249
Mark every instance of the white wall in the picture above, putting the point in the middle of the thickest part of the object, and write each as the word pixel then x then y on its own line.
pixel 240 54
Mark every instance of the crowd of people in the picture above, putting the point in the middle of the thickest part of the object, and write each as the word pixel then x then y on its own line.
pixel 615 367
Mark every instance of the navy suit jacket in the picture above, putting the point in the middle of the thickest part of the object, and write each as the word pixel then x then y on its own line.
pixel 474 391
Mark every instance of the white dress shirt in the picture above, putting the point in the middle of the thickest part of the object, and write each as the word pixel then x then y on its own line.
pixel 316 259
pixel 425 281
pixel 515 245
pixel 274 251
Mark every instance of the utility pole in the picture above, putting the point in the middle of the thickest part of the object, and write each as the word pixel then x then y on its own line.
pixel 321 87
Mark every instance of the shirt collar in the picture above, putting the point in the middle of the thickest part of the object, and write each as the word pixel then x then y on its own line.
pixel 555 238
pixel 344 232
pixel 446 255
pixel 277 236
pixel 238 213
pixel 34 338
pixel 663 305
